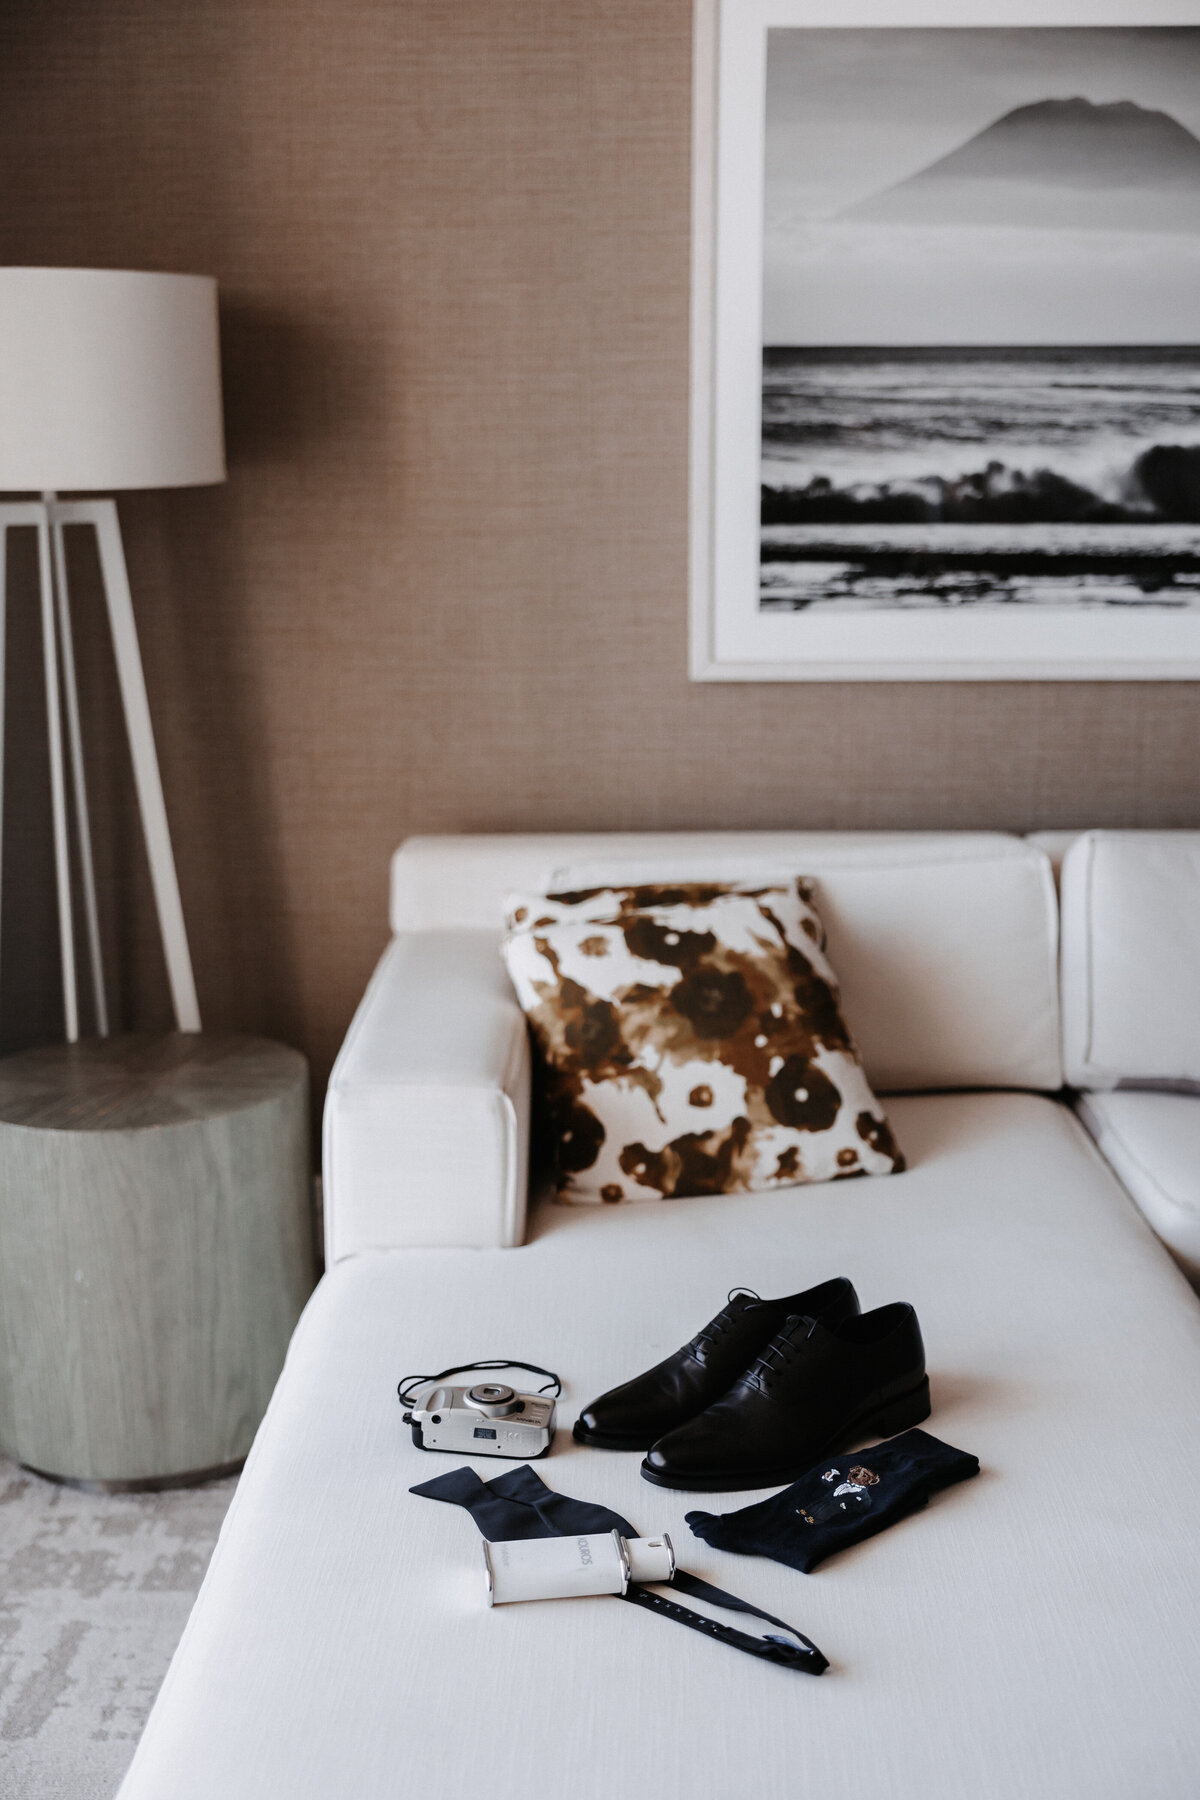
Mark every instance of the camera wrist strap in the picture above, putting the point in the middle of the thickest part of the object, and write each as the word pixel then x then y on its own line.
pixel 409 1385
pixel 518 1504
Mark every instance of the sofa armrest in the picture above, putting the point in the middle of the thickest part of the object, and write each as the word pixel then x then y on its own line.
pixel 426 1139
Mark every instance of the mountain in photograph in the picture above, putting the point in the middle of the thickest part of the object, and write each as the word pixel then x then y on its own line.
pixel 1064 164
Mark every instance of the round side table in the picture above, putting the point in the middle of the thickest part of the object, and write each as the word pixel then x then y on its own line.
pixel 156 1248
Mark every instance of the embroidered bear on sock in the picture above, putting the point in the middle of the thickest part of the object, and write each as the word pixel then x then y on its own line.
pixel 853 1496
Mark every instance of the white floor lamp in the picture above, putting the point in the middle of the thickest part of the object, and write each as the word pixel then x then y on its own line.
pixel 108 380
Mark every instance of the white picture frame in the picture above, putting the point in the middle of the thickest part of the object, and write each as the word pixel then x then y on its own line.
pixel 731 638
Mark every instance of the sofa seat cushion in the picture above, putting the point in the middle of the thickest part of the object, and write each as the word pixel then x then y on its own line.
pixel 1153 1142
pixel 1033 1635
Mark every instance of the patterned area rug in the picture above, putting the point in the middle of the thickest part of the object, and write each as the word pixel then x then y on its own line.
pixel 94 1594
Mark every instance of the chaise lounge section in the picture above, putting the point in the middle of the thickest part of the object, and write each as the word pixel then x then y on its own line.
pixel 1032 1634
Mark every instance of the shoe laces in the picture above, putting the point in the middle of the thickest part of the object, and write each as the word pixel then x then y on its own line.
pixel 716 1328
pixel 782 1351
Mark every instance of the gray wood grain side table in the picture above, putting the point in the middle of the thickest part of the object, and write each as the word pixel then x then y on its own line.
pixel 156 1248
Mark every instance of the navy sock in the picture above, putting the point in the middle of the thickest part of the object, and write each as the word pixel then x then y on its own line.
pixel 840 1502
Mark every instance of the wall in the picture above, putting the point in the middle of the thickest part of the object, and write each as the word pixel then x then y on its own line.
pixel 444 588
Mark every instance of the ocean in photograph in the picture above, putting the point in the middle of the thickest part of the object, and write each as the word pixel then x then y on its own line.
pixel 1066 477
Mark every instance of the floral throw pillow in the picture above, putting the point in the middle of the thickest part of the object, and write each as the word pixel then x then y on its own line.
pixel 692 1041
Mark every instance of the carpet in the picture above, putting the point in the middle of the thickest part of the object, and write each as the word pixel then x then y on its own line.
pixel 94 1594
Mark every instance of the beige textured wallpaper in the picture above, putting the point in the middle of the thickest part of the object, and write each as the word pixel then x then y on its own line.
pixel 445 586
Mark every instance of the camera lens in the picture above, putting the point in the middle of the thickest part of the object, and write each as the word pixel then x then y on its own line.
pixel 494 1397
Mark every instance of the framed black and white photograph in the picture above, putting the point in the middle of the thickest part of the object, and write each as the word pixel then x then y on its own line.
pixel 946 342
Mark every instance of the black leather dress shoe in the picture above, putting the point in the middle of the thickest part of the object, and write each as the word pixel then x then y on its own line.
pixel 819 1386
pixel 635 1415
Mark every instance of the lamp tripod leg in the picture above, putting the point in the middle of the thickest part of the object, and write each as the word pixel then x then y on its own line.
pixel 103 514
pixel 58 791
pixel 78 780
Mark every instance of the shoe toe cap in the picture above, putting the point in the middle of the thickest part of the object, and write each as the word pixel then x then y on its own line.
pixel 679 1452
pixel 614 1421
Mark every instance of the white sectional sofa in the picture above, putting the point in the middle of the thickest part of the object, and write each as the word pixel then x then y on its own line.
pixel 1034 1633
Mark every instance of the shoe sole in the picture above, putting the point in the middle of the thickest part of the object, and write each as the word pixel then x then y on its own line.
pixel 602 1440
pixel 900 1414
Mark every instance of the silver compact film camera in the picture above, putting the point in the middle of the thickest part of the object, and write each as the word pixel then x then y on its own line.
pixel 487 1419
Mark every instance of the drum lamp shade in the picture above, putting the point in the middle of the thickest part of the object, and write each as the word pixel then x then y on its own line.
pixel 109 379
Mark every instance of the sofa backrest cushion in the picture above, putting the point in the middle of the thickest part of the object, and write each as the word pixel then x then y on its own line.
pixel 1131 959
pixel 944 943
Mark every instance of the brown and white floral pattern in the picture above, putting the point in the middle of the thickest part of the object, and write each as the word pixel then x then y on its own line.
pixel 692 1041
